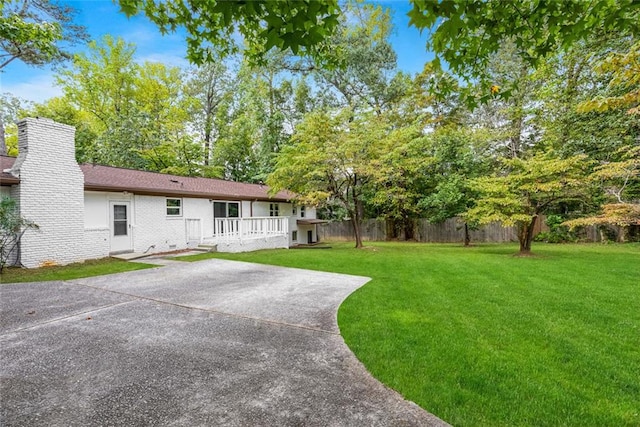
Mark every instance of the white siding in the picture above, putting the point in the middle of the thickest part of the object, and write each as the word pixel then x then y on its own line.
pixel 246 208
pixel 96 210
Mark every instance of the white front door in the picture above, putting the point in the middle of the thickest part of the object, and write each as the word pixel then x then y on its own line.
pixel 120 225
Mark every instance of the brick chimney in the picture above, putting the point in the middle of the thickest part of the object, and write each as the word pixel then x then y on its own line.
pixel 50 193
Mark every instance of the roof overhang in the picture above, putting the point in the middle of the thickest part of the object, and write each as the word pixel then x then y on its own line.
pixel 311 221
pixel 177 193
pixel 7 179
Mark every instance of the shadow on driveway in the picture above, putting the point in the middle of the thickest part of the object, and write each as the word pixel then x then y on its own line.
pixel 208 343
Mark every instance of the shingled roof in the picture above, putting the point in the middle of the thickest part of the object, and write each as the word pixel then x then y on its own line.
pixel 6 178
pixel 107 178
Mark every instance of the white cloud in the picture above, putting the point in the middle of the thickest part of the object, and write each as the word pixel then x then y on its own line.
pixel 166 58
pixel 38 88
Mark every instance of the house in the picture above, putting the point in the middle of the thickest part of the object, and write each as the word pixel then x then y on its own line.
pixel 91 211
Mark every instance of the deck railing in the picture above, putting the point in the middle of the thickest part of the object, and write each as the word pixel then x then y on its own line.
pixel 238 229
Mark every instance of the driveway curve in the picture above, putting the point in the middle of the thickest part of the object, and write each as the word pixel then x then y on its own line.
pixel 212 343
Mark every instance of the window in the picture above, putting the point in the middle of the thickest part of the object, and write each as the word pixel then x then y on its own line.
pixel 174 207
pixel 119 220
pixel 293 210
pixel 274 209
pixel 233 210
pixel 302 212
pixel 294 235
pixel 226 210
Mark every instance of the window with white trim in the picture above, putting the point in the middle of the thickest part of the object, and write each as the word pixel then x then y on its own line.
pixel 274 209
pixel 226 210
pixel 302 211
pixel 174 207
pixel 294 235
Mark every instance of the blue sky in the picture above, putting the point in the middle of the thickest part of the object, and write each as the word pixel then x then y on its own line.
pixel 102 17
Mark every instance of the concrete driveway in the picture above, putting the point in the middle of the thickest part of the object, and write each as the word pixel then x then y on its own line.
pixel 188 344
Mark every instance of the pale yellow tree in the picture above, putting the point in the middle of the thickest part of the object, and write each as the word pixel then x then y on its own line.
pixel 625 76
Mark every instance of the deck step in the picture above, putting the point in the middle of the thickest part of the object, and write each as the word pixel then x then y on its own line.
pixel 206 248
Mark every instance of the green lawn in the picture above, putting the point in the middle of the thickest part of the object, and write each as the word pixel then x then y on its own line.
pixel 72 271
pixel 482 338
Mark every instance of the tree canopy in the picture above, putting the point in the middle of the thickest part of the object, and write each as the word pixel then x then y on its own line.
pixel 301 26
pixel 37 32
pixel 465 34
pixel 527 188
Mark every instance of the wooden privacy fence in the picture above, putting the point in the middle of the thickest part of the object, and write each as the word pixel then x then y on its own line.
pixel 450 231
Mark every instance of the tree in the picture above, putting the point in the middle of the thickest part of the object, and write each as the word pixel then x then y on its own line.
pixel 101 83
pixel 10 107
pixel 398 177
pixel 62 111
pixel 37 32
pixel 330 157
pixel 527 188
pixel 621 182
pixel 459 155
pixel 366 76
pixel 137 114
pixel 12 227
pixel 300 26
pixel 209 86
pixel 625 74
pixel 466 33
pixel 568 84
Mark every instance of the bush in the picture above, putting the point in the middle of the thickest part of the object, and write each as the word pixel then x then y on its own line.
pixel 12 227
pixel 557 233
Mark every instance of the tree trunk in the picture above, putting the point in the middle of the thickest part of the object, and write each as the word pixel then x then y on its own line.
pixel 409 228
pixel 390 225
pixel 358 233
pixel 357 215
pixel 622 234
pixel 525 235
pixel 467 236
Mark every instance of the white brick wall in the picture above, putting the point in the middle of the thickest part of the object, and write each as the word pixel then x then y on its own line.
pixel 152 226
pixel 275 242
pixel 96 243
pixel 51 193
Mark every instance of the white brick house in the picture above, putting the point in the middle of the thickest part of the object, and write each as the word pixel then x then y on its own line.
pixel 90 211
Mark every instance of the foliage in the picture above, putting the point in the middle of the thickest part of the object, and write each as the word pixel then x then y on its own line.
pixel 366 78
pixel 397 175
pixel 625 74
pixel 527 188
pixel 621 178
pixel 464 333
pixel 567 82
pixel 620 181
pixel 331 156
pixel 300 26
pixel 466 33
pixel 12 227
pixel 208 88
pixel 620 214
pixel 10 107
pixel 558 232
pixel 128 114
pixel 37 32
pixel 459 155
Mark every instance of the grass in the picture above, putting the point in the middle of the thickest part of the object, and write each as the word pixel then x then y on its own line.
pixel 71 271
pixel 482 338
